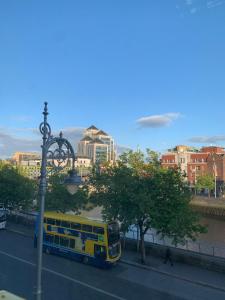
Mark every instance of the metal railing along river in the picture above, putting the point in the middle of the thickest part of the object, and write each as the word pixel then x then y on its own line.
pixel 203 247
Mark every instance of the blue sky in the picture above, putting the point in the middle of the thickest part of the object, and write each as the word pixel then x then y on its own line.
pixel 150 73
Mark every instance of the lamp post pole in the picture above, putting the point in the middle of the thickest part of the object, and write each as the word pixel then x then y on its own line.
pixel 58 157
pixel 42 191
pixel 215 174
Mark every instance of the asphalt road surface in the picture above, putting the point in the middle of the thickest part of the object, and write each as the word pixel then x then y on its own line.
pixel 65 279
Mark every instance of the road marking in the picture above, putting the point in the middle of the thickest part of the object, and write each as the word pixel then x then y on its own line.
pixel 63 276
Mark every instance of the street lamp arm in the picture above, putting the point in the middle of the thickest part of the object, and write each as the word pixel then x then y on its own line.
pixel 60 155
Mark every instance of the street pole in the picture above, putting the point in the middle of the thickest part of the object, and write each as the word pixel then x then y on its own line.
pixel 215 185
pixel 214 167
pixel 58 157
pixel 42 191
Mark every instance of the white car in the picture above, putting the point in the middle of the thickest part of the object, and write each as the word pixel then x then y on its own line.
pixel 3 213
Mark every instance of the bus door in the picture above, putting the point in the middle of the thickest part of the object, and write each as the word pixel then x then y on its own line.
pixel 100 252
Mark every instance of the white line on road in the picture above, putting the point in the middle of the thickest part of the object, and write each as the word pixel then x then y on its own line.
pixel 63 276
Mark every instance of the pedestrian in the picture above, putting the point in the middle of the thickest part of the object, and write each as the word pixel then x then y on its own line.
pixel 168 257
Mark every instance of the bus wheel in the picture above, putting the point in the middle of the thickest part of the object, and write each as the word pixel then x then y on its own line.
pixel 85 260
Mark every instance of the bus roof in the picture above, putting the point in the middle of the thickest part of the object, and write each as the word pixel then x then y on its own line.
pixel 73 218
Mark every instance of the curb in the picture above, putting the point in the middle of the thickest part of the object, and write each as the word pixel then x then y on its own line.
pixel 201 283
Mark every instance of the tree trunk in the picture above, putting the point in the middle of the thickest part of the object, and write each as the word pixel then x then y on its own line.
pixel 124 240
pixel 138 240
pixel 143 256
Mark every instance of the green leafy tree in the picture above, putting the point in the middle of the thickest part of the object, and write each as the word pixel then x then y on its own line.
pixel 205 181
pixel 17 191
pixel 58 198
pixel 138 191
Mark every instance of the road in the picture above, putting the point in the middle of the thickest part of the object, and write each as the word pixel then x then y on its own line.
pixel 65 279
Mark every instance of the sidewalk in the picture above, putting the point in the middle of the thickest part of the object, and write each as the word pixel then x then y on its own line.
pixel 181 271
pixel 185 272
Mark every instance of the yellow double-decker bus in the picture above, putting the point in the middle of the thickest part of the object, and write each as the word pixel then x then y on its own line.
pixel 83 239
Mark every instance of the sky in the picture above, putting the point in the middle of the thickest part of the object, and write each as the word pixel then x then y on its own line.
pixel 150 73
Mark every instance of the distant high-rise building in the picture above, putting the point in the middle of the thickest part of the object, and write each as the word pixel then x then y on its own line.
pixel 97 145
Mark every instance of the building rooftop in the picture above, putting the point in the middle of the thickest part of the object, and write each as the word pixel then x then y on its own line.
pixel 101 132
pixel 86 138
pixel 92 127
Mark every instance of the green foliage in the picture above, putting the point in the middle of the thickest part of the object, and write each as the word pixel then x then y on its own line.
pixel 205 181
pixel 171 213
pixel 138 191
pixel 58 198
pixel 17 191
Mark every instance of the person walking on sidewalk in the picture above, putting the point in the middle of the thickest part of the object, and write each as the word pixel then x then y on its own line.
pixel 168 257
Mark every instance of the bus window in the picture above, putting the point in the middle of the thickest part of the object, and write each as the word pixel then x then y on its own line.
pixel 50 221
pixel 57 222
pixel 72 243
pixel 98 230
pixel 87 228
pixel 45 220
pixel 65 224
pixel 56 239
pixel 76 226
pixel 49 238
pixel 64 242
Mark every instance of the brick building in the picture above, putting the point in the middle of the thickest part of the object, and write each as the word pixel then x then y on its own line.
pixel 194 162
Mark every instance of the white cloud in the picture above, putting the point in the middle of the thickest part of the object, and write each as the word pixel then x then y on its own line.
pixel 214 3
pixel 20 118
pixel 189 2
pixel 10 143
pixel 121 149
pixel 158 120
pixel 207 139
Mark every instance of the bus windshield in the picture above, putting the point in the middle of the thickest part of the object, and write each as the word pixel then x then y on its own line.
pixel 113 233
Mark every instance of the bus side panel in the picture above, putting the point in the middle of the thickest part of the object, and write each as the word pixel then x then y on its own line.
pixel 64 252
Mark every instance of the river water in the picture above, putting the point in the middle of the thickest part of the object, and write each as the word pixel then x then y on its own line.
pixel 211 243
pixel 216 231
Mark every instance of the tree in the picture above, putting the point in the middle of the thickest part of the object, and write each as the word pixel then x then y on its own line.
pixel 17 191
pixel 205 181
pixel 138 191
pixel 58 198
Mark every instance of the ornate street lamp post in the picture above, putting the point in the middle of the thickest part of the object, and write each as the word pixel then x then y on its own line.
pixel 58 152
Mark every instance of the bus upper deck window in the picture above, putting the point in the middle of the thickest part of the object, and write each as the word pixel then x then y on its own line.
pixel 50 221
pixel 87 228
pixel 76 226
pixel 98 230
pixel 65 224
pixel 57 222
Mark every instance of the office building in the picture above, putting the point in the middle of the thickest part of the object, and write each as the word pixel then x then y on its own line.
pixel 97 145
